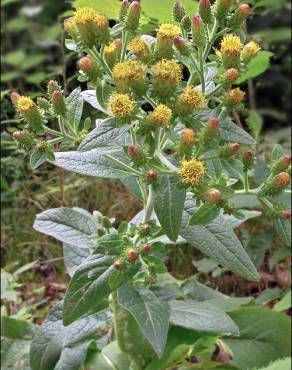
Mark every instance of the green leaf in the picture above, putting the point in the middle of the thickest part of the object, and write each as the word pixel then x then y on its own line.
pixel 64 348
pixel 91 98
pixel 256 67
pixel 205 214
pixel 265 337
pixel 106 134
pixel 75 107
pixel 229 131
pixel 283 228
pixel 277 152
pixel 268 295
pixel 255 123
pixel 218 241
pixel 15 58
pixel 278 256
pixel 13 351
pixel 151 314
pixel 284 304
pixel 87 288
pixel 108 7
pixel 258 245
pixel 168 205
pixel 13 328
pixel 69 225
pixel 37 158
pixel 201 316
pixel 74 256
pixel 234 167
pixel 92 163
pixel 284 364
pixel 234 222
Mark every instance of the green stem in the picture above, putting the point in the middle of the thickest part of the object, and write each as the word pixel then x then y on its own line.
pixel 246 184
pixel 211 40
pixel 202 77
pixel 150 101
pixel 125 43
pixel 52 132
pixel 149 205
pixel 159 155
pixel 123 165
pixel 194 64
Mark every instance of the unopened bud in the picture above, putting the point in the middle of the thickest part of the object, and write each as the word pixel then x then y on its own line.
pixel 181 44
pixel 89 67
pixel 186 23
pixel 231 75
pixel 213 123
pixel 105 222
pixel 198 31
pixel 59 103
pixel 239 16
pixel 133 16
pixel 123 10
pixel 213 196
pixel 53 86
pixel 286 214
pixel 228 150
pixel 43 104
pixel 248 159
pixel 132 255
pixel 118 265
pixel 178 11
pixel 14 96
pixel 136 154
pixel 209 131
pixel 24 138
pixel 188 137
pixel 281 164
pixel 144 229
pixel 151 176
pixel 205 11
pixel 221 9
pixel 146 248
pixel 41 146
pixel 282 180
pixel 275 185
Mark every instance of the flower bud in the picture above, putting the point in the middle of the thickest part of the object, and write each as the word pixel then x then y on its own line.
pixel 144 229
pixel 112 52
pixel 239 16
pixel 133 16
pixel 132 255
pixel 228 150
pixel 146 248
pixel 221 9
pixel 181 44
pixel 189 100
pixel 140 49
pixel 53 86
pixel 198 31
pixel 281 164
pixel 230 50
pixel 213 124
pixel 123 10
pixel 248 158
pixel 178 11
pixel 282 180
pixel 209 131
pixel 136 154
pixel 151 176
pixel 14 96
pixel 59 103
pixel 235 96
pixel 167 74
pixel 231 75
pixel 41 146
pixel 205 11
pixel 29 110
pixel 213 196
pixel 249 51
pixel 118 265
pixel 89 67
pixel 165 37
pixel 43 104
pixel 188 137
pixel 186 23
pixel 24 138
pixel 105 222
pixel 286 214
pixel 275 185
pixel 93 28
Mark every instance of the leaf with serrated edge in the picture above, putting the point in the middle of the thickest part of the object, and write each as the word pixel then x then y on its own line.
pixel 218 241
pixel 151 314
pixel 201 316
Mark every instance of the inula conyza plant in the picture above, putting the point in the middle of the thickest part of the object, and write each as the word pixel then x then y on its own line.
pixel 167 131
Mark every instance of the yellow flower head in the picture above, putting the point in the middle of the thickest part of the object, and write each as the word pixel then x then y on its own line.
pixel 235 96
pixel 168 31
pixel 129 70
pixel 168 70
pixel 191 98
pixel 161 115
pixel 70 26
pixel 24 104
pixel 252 48
pixel 110 50
pixel 192 171
pixel 121 105
pixel 88 16
pixel 138 47
pixel 231 46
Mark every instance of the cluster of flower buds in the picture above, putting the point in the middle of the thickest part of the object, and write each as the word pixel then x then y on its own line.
pixel 248 158
pixel 229 150
pixel 131 255
pixel 136 154
pixel 209 132
pixel 24 138
pixel 275 185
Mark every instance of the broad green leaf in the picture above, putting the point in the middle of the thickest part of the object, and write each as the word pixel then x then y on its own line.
pixel 106 134
pixel 255 123
pixel 235 222
pixel 111 244
pixel 168 205
pixel 15 58
pixel 258 245
pixel 265 337
pixel 201 316
pixel 278 256
pixel 218 241
pixel 90 97
pixel 87 288
pixel 234 167
pixel 68 225
pixel 64 348
pixel 277 152
pixel 108 7
pixel 13 328
pixel 284 303
pixel 37 158
pixel 151 314
pixel 74 255
pixel 268 295
pixel 283 228
pixel 93 163
pixel 257 66
pixel 75 107
pixel 13 351
pixel 205 214
pixel 283 364
pixel 229 131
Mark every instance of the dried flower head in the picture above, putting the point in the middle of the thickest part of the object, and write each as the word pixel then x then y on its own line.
pixel 235 96
pixel 231 74
pixel 121 105
pixel 192 171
